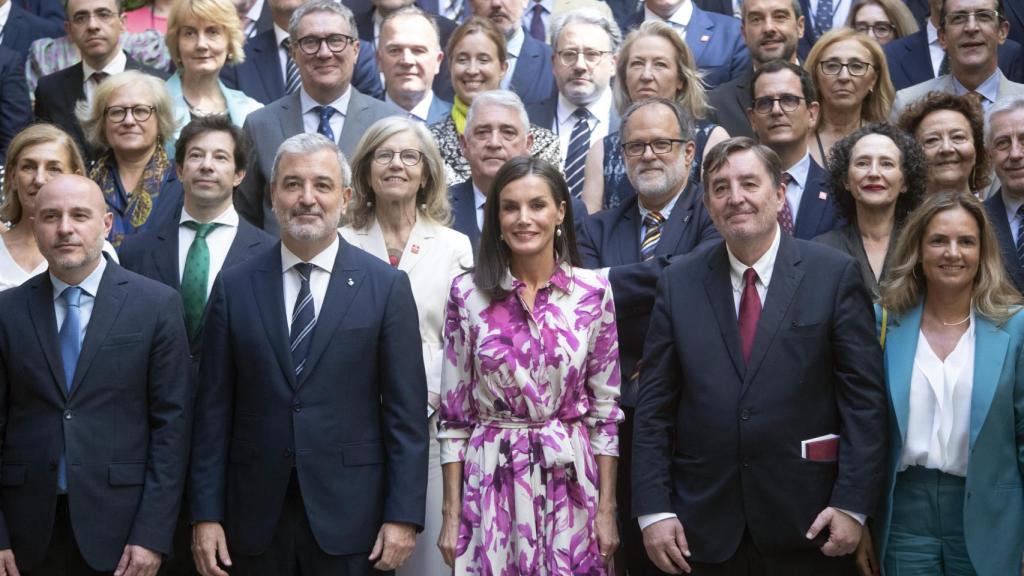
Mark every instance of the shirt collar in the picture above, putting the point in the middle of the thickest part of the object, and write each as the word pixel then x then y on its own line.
pixel 989 89
pixel 420 110
pixel 681 16
pixel 598 109
pixel 933 32
pixel 1012 205
pixel 229 217
pixel 5 13
pixel 763 267
pixel 515 44
pixel 341 104
pixel 255 11
pixel 561 278
pixel 798 172
pixel 279 34
pixel 324 260
pixel 479 197
pixel 665 211
pixel 116 65
pixel 91 284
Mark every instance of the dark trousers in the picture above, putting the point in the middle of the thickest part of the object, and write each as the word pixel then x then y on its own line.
pixel 632 553
pixel 180 563
pixel 749 561
pixel 294 550
pixel 63 558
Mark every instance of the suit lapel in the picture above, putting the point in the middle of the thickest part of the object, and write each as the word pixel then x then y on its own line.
pixel 677 222
pixel 1005 237
pixel 990 344
pixel 917 64
pixel 524 76
pixel 465 211
pixel 420 241
pixel 244 246
pixel 165 253
pixel 76 88
pixel 268 287
pixel 900 350
pixel 785 281
pixel 105 309
pixel 270 75
pixel 45 322
pixel 290 119
pixel 699 33
pixel 718 286
pixel 355 121
pixel 346 280
pixel 627 244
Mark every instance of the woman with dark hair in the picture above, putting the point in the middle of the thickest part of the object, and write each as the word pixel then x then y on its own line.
pixel 877 178
pixel 953 338
pixel 529 393
pixel 951 129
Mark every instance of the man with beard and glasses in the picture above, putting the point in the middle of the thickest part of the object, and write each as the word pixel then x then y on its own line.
pixel 635 241
pixel 310 445
pixel 95 402
pixel 772 30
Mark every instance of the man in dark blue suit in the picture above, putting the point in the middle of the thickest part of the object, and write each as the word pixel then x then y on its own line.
pixel 714 39
pixel 635 241
pixel 918 57
pixel 309 453
pixel 784 111
pixel 756 346
pixel 95 407
pixel 15 108
pixel 529 61
pixel 1014 12
pixel 1005 144
pixel 23 27
pixel 410 57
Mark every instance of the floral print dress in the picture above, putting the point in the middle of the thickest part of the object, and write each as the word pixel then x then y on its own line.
pixel 527 400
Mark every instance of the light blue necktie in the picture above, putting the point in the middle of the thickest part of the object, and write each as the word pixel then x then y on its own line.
pixel 823 16
pixel 70 349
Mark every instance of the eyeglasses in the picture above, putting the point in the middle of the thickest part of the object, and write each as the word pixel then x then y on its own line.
pixel 571 57
pixel 140 112
pixel 103 15
pixel 659 146
pixel 787 102
pixel 409 156
pixel 335 43
pixel 877 29
pixel 854 67
pixel 987 18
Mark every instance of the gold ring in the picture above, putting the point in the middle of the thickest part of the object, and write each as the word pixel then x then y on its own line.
pixel 604 555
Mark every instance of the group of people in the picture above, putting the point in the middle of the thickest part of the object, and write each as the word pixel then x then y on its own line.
pixel 735 292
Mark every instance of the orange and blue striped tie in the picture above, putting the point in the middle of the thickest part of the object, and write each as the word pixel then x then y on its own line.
pixel 652 233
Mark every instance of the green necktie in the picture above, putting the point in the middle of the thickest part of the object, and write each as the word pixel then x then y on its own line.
pixel 196 276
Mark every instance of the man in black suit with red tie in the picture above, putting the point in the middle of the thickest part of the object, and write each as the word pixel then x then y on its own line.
pixel 757 346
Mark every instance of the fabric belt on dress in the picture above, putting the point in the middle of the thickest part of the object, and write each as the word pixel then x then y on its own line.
pixel 553 437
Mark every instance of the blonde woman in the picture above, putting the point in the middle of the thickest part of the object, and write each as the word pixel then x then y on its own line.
pixel 883 20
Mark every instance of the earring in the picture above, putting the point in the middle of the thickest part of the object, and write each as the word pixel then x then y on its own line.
pixel 369 203
pixel 558 231
pixel 501 238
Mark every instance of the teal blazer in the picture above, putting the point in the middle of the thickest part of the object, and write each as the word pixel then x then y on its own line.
pixel 239 106
pixel 994 497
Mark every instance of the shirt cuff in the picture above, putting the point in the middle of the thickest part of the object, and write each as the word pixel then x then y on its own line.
pixel 860 518
pixel 646 520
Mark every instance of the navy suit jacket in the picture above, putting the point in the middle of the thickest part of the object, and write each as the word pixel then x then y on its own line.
pixel 817 213
pixel 910 62
pixel 611 238
pixel 533 79
pixel 51 10
pixel 15 108
pixel 352 425
pixel 543 114
pixel 716 42
pixel 997 214
pixel 1014 12
pixel 24 27
pixel 730 102
pixel 124 426
pixel 717 437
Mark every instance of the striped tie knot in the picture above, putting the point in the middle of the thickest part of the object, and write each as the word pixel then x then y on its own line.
pixel 652 234
pixel 303 318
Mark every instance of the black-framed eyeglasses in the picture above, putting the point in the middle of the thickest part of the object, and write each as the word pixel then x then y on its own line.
pixel 987 18
pixel 877 29
pixel 335 43
pixel 140 112
pixel 409 156
pixel 591 57
pixel 103 15
pixel 854 67
pixel 765 104
pixel 659 146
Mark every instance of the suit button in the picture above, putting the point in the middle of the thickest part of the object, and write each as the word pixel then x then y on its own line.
pixel 287 452
pixel 297 408
pixel 67 414
pixel 746 462
pixel 53 465
pixel 745 414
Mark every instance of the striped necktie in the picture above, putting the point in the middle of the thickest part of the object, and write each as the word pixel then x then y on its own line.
pixel 653 222
pixel 1020 235
pixel 291 75
pixel 303 319
pixel 576 156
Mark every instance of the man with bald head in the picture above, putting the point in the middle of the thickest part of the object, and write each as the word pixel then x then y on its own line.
pixel 94 402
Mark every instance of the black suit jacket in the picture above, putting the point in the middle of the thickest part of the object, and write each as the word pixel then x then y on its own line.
pixel 50 10
pixel 15 108
pixel 57 95
pixel 910 62
pixel 352 425
pixel 24 27
pixel 124 426
pixel 997 214
pixel 1015 15
pixel 817 213
pixel 611 239
pixel 533 79
pixel 717 439
pixel 719 6
pixel 730 102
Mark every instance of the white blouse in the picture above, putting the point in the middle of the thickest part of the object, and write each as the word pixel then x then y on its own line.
pixel 939 422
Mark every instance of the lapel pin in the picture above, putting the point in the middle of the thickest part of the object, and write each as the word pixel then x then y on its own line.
pixel 823 195
pixel 351 282
pixel 705 38
pixel 415 249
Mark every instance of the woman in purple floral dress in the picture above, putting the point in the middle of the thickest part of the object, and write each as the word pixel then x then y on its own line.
pixel 529 393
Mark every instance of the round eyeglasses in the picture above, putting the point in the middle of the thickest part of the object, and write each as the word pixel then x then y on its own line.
pixel 409 156
pixel 854 67
pixel 765 104
pixel 140 112
pixel 335 43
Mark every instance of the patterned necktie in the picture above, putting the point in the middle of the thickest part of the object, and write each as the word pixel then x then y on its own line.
pixel 785 216
pixel 196 278
pixel 652 233
pixel 303 319
pixel 70 348
pixel 576 156
pixel 325 121
pixel 97 78
pixel 537 22
pixel 944 65
pixel 750 312
pixel 1020 235
pixel 823 17
pixel 291 71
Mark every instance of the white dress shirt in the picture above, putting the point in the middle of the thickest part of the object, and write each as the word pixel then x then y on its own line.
pixel 1012 205
pixel 939 421
pixel 988 90
pixel 935 50
pixel 90 287
pixel 420 111
pixel 513 47
pixel 218 241
pixel 253 15
pixel 319 278
pixel 5 12
pixel 840 10
pixel 479 199
pixel 115 66
pixel 600 112
pixel 679 19
pixel 666 211
pixel 311 117
pixel 282 56
pixel 795 189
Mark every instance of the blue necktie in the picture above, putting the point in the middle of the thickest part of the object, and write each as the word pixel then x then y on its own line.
pixel 1020 235
pixel 823 16
pixel 303 319
pixel 70 349
pixel 325 121
pixel 576 154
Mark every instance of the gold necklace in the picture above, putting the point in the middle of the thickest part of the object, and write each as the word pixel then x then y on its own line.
pixel 944 323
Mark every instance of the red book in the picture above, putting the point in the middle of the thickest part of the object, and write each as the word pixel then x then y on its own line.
pixel 821 449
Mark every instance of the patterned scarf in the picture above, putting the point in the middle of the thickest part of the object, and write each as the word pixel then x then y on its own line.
pixel 459 111
pixel 131 209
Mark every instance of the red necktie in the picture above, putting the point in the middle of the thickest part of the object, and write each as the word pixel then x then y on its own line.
pixel 750 312
pixel 785 216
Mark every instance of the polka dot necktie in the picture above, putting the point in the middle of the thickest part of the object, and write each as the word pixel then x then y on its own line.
pixel 196 277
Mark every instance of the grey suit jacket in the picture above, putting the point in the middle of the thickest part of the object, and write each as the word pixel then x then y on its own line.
pixel 271 125
pixel 909 95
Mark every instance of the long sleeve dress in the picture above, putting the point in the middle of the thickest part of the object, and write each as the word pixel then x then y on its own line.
pixel 527 401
